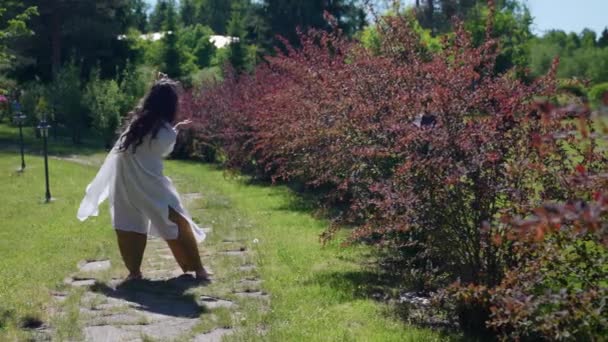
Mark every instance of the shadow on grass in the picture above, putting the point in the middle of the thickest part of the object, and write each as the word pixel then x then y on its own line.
pixel 384 287
pixel 364 284
pixel 164 297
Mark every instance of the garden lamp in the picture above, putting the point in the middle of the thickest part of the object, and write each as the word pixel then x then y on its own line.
pixel 44 132
pixel 19 119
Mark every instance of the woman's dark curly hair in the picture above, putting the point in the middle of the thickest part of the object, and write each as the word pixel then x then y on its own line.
pixel 157 108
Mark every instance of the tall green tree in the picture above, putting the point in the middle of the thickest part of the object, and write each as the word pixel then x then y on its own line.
pixel 588 38
pixel 137 16
pixel 580 56
pixel 511 27
pixel 286 16
pixel 187 10
pixel 214 13
pixel 194 42
pixel 236 29
pixel 258 31
pixel 603 40
pixel 12 28
pixel 102 99
pixel 67 100
pixel 217 14
pixel 437 15
pixel 158 17
pixel 170 46
pixel 85 30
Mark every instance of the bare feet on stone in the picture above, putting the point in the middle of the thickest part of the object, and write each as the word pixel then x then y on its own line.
pixel 134 276
pixel 202 275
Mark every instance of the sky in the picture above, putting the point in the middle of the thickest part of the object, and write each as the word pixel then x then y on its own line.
pixel 567 15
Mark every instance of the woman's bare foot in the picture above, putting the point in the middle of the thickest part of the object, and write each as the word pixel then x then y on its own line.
pixel 202 275
pixel 134 276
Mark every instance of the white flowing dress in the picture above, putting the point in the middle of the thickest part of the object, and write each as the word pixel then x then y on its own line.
pixel 139 194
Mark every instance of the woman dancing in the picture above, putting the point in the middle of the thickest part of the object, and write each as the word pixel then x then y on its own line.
pixel 142 200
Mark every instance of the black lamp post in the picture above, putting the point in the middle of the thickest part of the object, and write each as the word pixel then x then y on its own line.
pixel 19 118
pixel 44 131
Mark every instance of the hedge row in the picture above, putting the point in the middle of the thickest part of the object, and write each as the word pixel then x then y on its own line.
pixel 436 160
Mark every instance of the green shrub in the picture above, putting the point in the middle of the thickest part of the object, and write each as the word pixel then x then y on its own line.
pixel 221 57
pixel 134 81
pixel 573 86
pixel 195 41
pixel 435 196
pixel 207 76
pixel 558 291
pixel 597 92
pixel 588 63
pixel 153 52
pixel 102 99
pixel 32 93
pixel 66 98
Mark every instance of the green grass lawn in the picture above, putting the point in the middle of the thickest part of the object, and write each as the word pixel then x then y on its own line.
pixel 316 292
pixel 40 244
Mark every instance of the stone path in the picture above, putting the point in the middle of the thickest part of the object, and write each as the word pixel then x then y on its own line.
pixel 167 305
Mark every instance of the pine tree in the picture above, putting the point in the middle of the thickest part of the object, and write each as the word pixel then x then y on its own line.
pixel 171 50
pixel 284 17
pixel 188 12
pixel 158 16
pixel 216 14
pixel 603 41
pixel 588 38
pixel 236 29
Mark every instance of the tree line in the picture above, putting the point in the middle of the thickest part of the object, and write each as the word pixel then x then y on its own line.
pixel 102 42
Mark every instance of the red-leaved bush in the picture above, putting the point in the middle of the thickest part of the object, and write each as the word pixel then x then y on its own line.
pixel 558 291
pixel 430 154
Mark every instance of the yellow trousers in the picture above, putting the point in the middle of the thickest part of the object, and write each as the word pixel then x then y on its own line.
pixel 184 248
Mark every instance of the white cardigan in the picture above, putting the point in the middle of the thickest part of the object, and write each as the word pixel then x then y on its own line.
pixel 140 195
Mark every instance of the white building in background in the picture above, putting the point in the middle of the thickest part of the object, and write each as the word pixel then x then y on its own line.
pixel 223 41
pixel 218 41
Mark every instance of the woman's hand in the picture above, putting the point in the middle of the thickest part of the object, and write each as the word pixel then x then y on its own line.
pixel 182 124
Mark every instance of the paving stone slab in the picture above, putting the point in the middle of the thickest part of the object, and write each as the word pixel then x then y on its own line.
pixel 163 274
pixel 233 240
pixel 250 283
pixel 119 319
pixel 190 197
pixel 252 294
pixel 80 282
pixel 94 266
pixel 108 333
pixel 214 303
pixel 213 336
pixel 59 296
pixel 165 330
pixel 247 268
pixel 235 253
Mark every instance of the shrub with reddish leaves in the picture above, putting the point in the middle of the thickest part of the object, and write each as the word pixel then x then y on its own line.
pixel 430 154
pixel 559 289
